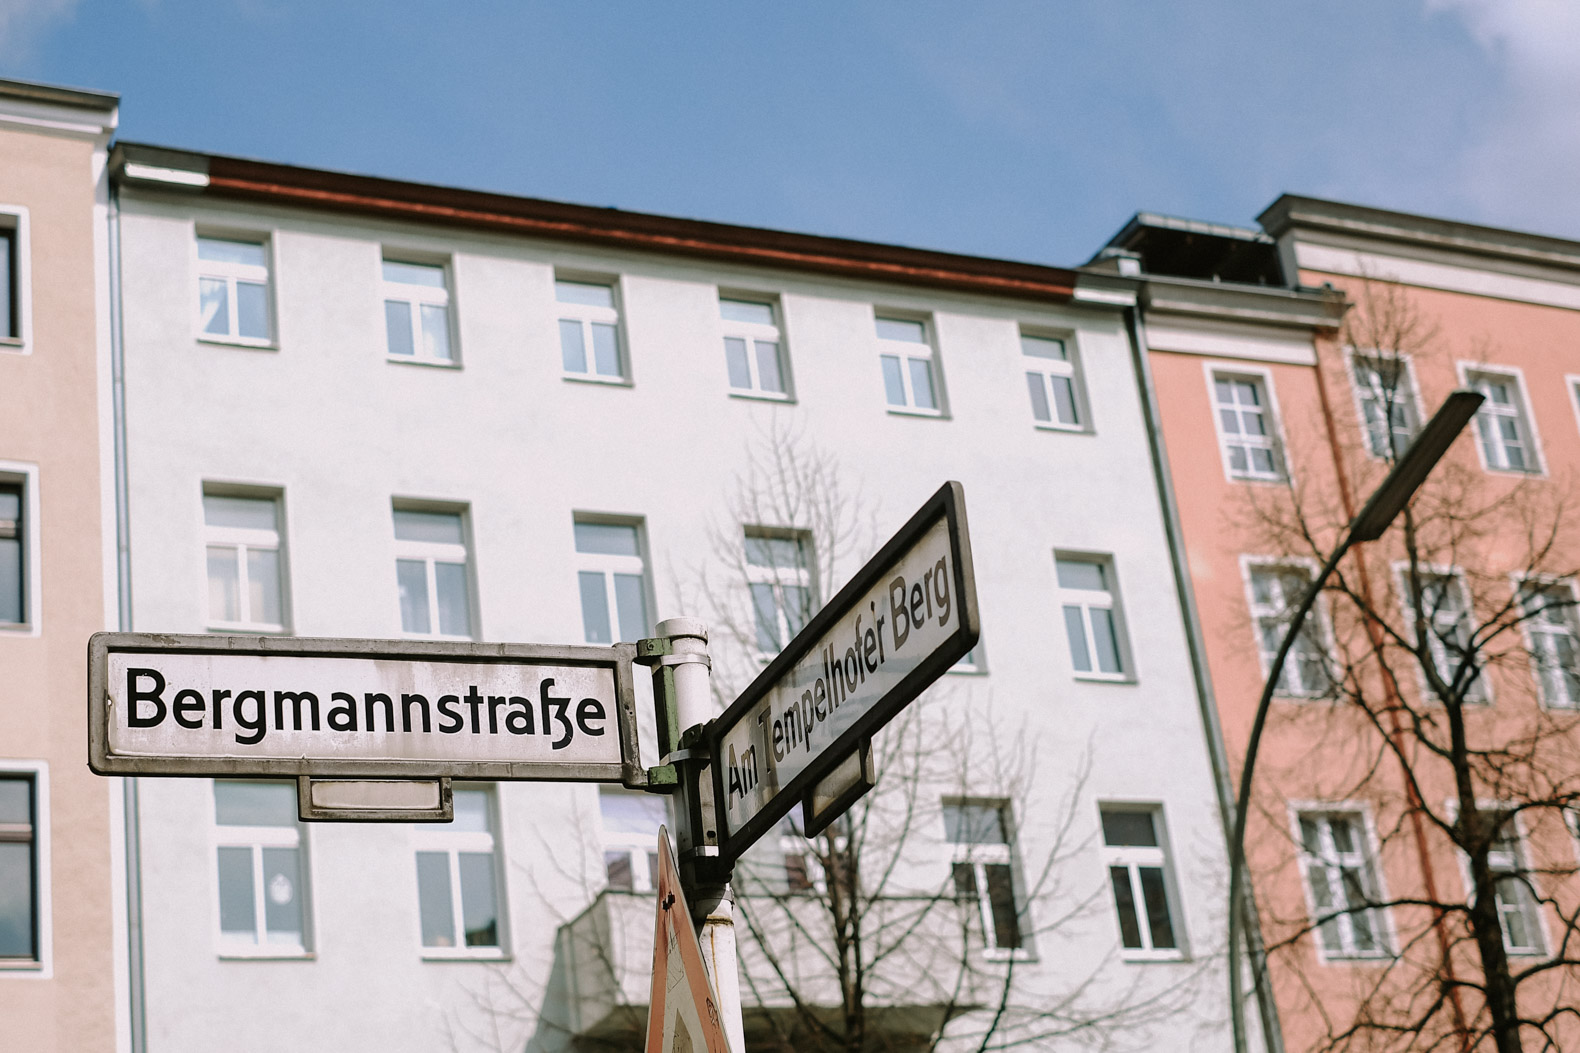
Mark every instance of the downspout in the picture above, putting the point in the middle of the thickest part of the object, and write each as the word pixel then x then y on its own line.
pixel 1217 752
pixel 136 982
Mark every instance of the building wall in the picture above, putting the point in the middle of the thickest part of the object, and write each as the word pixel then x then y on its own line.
pixel 338 428
pixel 52 164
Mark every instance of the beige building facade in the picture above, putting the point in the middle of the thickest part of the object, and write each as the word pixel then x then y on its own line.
pixel 57 924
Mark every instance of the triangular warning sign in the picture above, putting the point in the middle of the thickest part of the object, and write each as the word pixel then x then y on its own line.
pixel 682 1014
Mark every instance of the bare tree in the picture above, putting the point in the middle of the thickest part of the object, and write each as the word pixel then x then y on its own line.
pixel 1445 680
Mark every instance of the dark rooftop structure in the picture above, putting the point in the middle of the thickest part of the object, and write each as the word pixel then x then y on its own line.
pixel 1187 248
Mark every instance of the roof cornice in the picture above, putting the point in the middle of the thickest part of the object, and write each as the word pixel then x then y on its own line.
pixel 54 95
pixel 269 183
pixel 1310 309
pixel 1292 214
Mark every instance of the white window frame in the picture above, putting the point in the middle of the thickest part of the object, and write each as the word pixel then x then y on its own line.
pixel 27 476
pixel 753 333
pixel 587 315
pixel 255 839
pixel 1480 691
pixel 979 856
pixel 242 540
pixel 1534 635
pixel 610 565
pixel 1087 600
pixel 453 843
pixel 972 663
pixel 430 553
pixel 16 219
pixel 777 578
pixel 231 273
pixel 1263 378
pixel 639 847
pixel 1132 857
pixel 907 351
pixel 417 297
pixel 1368 859
pixel 1318 623
pixel 1472 375
pixel 1407 394
pixel 1572 384
pixel 1501 862
pixel 42 967
pixel 1046 368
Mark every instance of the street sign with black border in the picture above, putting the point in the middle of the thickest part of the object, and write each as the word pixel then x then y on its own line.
pixel 907 616
pixel 279 707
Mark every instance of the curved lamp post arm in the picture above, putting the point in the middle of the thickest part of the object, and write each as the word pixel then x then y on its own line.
pixel 1384 505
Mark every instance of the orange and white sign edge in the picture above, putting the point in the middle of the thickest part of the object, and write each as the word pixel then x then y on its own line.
pixel 683 1012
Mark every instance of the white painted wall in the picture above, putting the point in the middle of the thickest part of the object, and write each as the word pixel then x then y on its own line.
pixel 328 419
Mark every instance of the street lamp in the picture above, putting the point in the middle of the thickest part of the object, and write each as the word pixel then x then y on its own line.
pixel 1389 499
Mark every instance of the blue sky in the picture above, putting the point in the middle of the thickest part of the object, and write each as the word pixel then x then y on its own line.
pixel 1029 129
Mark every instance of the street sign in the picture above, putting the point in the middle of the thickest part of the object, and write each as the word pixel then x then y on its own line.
pixel 682 1013
pixel 360 709
pixel 906 617
pixel 379 801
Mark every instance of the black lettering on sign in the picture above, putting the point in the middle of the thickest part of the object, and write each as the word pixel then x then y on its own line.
pixel 187 701
pixel 135 698
pixel 558 705
pixel 589 710
pixel 296 698
pixel 451 720
pixel 256 725
pixel 343 716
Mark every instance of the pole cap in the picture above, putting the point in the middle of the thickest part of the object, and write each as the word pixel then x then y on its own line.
pixel 682 627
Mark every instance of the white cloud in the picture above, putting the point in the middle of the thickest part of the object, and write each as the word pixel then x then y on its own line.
pixel 21 20
pixel 1520 167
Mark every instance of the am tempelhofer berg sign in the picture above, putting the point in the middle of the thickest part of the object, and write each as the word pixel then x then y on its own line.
pixel 905 618
pixel 383 709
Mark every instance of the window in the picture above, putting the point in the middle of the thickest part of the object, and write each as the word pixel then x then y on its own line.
pixel 630 837
pixel 233 289
pixel 430 570
pixel 589 330
pixel 262 883
pixel 1387 399
pixel 22 878
pixel 1552 635
pixel 779 577
pixel 245 571
pixel 1276 592
pixel 611 577
pixel 1053 382
pixel 10 279
pixel 984 871
pixel 1516 898
pixel 417 312
pixel 970 662
pixel 1341 883
pixel 1502 425
pixel 1246 427
pixel 14 556
pixel 1447 613
pixel 907 359
pixel 457 879
pixel 1091 618
pixel 1138 875
pixel 753 348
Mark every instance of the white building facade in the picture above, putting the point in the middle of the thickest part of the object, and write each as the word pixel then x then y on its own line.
pixel 362 408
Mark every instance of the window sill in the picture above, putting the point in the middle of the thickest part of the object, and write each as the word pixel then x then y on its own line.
pixel 1105 678
pixel 1064 429
pixel 760 396
pixel 237 341
pixel 464 954
pixel 1135 957
pixel 1379 958
pixel 966 670
pixel 263 954
pixel 23 966
pixel 994 954
pixel 907 411
pixel 247 630
pixel 431 363
pixel 13 345
pixel 589 378
pixel 1264 480
pixel 1518 473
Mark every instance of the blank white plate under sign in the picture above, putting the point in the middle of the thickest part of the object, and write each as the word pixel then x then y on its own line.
pixel 374 800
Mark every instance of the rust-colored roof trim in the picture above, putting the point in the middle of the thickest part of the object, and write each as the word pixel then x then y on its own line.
pixel 393 199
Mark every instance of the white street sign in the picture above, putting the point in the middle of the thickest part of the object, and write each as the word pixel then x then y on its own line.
pixel 231 705
pixel 907 616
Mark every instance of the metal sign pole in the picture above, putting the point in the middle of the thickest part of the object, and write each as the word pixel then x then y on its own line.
pixel 682 699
